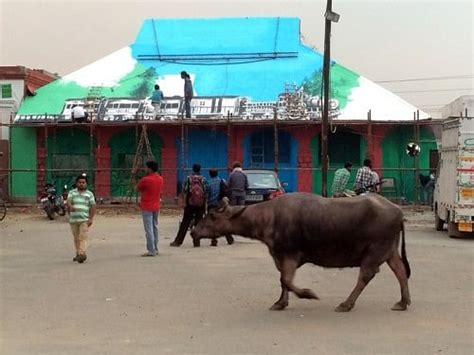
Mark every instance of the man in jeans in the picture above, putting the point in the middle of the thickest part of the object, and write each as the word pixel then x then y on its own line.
pixel 81 205
pixel 150 187
pixel 238 185
pixel 195 198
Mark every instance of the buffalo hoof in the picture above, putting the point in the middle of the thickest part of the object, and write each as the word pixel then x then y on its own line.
pixel 399 306
pixel 344 307
pixel 278 306
pixel 308 294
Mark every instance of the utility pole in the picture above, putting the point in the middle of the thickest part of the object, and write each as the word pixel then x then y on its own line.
pixel 325 118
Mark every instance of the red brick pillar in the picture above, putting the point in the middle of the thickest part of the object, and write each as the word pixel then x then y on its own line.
pixel 41 164
pixel 169 171
pixel 304 160
pixel 102 175
pixel 236 141
pixel 377 153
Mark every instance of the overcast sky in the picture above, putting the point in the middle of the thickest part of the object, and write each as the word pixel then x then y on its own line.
pixel 381 40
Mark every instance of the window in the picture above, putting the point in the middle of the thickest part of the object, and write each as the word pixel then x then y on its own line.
pixel 262 148
pixel 342 147
pixel 6 91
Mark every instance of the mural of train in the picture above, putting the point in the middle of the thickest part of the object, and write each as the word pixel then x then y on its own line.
pixel 290 106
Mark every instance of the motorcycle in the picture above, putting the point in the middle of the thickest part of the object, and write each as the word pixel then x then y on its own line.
pixel 363 190
pixel 52 202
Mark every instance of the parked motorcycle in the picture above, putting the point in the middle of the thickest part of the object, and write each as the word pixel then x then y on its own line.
pixel 52 202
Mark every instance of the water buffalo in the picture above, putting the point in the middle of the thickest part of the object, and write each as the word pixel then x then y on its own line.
pixel 300 228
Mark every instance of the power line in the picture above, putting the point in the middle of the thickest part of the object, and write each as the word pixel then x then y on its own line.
pixel 465 76
pixel 436 90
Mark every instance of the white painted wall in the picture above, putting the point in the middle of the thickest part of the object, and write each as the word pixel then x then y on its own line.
pixel 7 106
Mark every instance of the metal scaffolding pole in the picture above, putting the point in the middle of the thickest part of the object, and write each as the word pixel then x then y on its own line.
pixel 325 116
pixel 275 142
pixel 370 141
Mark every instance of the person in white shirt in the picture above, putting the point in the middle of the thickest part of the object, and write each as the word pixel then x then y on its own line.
pixel 78 114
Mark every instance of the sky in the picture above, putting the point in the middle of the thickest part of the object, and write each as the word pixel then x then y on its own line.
pixel 388 42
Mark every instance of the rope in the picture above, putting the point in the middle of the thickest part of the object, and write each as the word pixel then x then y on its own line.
pixel 276 35
pixel 156 37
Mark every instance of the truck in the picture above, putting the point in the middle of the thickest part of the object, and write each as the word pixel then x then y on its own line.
pixel 453 199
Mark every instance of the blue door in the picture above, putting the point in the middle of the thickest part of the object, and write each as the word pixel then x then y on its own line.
pixel 205 146
pixel 259 154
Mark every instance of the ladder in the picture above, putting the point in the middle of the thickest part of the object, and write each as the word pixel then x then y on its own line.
pixel 144 142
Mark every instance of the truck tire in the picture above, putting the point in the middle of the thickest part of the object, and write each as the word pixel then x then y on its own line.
pixel 439 223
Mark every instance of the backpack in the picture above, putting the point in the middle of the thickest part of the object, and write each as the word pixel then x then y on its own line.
pixel 196 191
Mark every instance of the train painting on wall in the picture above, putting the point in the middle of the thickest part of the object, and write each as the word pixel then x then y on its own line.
pixel 296 105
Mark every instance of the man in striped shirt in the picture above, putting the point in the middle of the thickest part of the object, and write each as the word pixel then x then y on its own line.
pixel 341 178
pixel 81 205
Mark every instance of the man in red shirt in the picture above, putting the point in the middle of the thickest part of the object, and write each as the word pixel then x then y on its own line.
pixel 150 187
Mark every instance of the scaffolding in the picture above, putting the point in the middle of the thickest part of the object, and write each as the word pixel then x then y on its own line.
pixel 227 124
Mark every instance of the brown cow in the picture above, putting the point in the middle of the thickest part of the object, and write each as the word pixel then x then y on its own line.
pixel 300 228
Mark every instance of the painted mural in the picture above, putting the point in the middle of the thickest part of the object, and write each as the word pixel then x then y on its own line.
pixel 241 68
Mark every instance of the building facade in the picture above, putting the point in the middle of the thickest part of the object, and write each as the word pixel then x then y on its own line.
pixel 256 99
pixel 16 82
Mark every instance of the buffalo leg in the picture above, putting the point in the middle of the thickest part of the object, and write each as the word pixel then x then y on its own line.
pixel 396 264
pixel 288 270
pixel 365 275
pixel 282 302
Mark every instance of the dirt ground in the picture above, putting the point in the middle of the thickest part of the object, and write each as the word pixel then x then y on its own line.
pixel 215 300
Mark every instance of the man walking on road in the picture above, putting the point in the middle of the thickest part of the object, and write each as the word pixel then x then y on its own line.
pixel 150 187
pixel 238 185
pixel 195 198
pixel 81 205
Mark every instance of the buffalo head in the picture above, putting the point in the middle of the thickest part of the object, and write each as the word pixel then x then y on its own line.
pixel 220 221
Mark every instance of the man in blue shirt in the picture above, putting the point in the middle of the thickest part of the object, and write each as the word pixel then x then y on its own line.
pixel 216 191
pixel 156 98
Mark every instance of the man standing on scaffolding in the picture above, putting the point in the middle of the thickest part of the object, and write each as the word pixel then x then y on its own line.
pixel 188 93
pixel 156 98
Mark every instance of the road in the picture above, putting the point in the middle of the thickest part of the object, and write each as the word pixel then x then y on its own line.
pixel 215 300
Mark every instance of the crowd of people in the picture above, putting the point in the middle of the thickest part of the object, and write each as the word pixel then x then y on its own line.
pixel 201 196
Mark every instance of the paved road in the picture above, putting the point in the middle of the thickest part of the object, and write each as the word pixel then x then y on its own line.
pixel 215 300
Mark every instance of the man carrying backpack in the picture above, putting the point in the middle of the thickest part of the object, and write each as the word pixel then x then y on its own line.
pixel 195 207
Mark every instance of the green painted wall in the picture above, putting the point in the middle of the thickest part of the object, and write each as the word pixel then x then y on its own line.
pixel 123 146
pixel 342 80
pixel 50 98
pixel 23 148
pixel 395 157
pixel 69 148
pixel 339 152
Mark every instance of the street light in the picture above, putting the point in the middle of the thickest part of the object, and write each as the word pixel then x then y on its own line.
pixel 330 16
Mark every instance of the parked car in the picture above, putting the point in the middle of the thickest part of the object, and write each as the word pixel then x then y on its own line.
pixel 264 185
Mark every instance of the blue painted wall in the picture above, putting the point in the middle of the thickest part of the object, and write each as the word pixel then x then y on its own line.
pixel 287 172
pixel 204 146
pixel 258 79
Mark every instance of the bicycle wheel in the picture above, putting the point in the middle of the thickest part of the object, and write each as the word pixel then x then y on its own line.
pixel 3 210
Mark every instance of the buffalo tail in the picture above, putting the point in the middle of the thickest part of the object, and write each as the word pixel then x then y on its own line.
pixel 404 253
